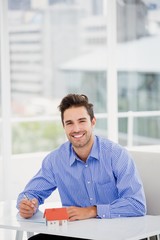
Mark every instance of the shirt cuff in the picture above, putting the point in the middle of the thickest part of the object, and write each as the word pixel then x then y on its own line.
pixel 103 211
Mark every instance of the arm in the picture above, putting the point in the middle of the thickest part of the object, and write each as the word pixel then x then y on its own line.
pixel 130 200
pixel 37 189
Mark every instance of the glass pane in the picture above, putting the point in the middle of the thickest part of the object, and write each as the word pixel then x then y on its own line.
pixel 1 163
pixel 45 39
pixel 56 47
pixel 138 66
pixel 147 131
pixel 0 109
pixel 36 136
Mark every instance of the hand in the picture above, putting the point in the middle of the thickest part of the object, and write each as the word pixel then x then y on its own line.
pixel 79 213
pixel 28 207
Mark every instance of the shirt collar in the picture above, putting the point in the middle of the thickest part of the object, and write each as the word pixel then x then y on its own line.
pixel 93 154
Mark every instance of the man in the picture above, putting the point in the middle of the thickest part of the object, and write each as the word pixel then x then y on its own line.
pixel 95 176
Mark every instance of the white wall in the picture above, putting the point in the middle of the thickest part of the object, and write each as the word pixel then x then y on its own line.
pixel 23 167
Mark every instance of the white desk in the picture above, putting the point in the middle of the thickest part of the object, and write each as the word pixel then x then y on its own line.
pixel 96 229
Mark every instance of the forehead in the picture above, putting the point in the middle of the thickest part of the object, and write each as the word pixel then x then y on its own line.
pixel 75 113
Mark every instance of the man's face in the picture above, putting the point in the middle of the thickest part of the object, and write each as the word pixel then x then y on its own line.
pixel 78 126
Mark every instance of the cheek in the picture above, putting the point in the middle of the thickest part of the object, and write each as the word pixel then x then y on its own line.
pixel 67 130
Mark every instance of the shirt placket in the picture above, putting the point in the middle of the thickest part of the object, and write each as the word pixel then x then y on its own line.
pixel 89 184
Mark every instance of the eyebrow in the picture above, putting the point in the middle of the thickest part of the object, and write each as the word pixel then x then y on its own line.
pixel 67 121
pixel 84 118
pixel 80 119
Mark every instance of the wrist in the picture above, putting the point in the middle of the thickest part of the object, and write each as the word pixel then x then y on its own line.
pixel 94 211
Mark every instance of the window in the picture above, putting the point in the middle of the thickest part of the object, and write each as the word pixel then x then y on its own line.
pixel 51 48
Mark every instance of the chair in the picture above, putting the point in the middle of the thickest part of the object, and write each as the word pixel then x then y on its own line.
pixel 148 164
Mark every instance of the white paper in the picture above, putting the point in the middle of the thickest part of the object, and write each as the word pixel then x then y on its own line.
pixel 37 218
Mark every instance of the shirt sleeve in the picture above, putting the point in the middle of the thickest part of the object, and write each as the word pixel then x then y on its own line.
pixel 41 185
pixel 131 200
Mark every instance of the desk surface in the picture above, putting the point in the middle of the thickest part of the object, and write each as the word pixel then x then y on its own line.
pixel 100 229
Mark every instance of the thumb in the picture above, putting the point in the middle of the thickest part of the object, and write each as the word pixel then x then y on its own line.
pixel 35 203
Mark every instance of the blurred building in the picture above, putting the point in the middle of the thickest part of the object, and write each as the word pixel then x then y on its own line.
pixel 50 33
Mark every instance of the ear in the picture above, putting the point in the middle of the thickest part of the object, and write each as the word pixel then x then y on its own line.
pixel 93 122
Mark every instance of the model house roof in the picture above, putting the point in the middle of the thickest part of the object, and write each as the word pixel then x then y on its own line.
pixel 52 214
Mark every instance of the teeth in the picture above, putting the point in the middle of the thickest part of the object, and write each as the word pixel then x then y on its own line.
pixel 78 136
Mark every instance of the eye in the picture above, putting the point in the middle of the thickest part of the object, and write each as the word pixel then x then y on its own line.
pixel 68 123
pixel 82 121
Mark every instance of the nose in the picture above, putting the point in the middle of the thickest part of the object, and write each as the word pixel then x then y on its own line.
pixel 76 127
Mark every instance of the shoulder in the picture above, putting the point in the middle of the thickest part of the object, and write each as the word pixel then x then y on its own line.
pixel 111 148
pixel 108 144
pixel 58 153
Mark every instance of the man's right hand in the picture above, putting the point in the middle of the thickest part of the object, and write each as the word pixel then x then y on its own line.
pixel 27 208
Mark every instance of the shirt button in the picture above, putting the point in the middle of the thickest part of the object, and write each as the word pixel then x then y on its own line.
pixel 88 182
pixel 86 165
pixel 91 198
pixel 103 215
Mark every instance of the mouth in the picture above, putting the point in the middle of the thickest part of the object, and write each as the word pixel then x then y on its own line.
pixel 78 135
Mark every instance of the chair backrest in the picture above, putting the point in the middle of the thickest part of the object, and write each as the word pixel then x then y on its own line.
pixel 148 165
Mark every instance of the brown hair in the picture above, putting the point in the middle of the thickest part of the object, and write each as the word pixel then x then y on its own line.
pixel 76 100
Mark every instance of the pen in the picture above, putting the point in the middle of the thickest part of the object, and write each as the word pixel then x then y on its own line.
pixel 33 202
pixel 25 196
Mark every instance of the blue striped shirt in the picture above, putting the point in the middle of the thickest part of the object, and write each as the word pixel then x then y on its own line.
pixel 108 179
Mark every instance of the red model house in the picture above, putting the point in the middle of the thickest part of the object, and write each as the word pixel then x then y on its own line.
pixel 55 216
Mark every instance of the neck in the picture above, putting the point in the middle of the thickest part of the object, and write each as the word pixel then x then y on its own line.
pixel 83 156
pixel 83 152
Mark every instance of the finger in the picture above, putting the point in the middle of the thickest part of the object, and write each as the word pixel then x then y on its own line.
pixel 24 211
pixel 71 210
pixel 73 215
pixel 26 215
pixel 26 208
pixel 72 219
pixel 35 202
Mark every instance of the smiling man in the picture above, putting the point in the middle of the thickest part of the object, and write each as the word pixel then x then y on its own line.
pixel 96 177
